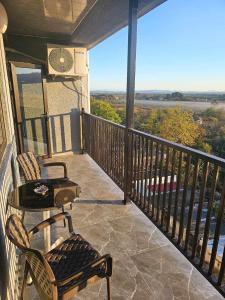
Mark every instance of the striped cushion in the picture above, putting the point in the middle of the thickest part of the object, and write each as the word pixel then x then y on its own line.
pixel 29 165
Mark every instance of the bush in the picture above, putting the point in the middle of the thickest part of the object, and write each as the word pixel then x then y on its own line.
pixel 105 110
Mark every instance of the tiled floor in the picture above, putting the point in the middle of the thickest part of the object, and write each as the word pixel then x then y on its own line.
pixel 146 264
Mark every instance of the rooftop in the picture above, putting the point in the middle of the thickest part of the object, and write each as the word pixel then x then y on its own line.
pixel 146 264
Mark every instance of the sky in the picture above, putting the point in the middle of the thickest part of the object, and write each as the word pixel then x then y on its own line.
pixel 181 46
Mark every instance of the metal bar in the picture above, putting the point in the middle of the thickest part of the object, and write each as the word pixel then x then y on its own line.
pixel 131 69
pixel 200 205
pixel 129 171
pixel 160 182
pixel 131 61
pixel 138 168
pixel 131 164
pixel 98 153
pixel 121 155
pixel 146 171
pixel 222 269
pixel 107 148
pixel 191 204
pixel 111 150
pixel 217 232
pixel 171 190
pixel 181 229
pixel 83 131
pixel 46 110
pixel 89 133
pixel 95 140
pixel 177 195
pixel 142 171
pixel 104 145
pixel 150 178
pixel 118 154
pixel 135 167
pixel 155 178
pixel 165 185
pixel 208 217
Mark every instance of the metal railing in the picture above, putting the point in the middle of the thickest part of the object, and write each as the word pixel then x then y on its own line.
pixel 104 142
pixel 182 190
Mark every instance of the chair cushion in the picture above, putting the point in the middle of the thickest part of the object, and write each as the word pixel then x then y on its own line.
pixel 70 256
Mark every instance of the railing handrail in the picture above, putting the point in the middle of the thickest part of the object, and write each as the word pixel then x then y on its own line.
pixel 107 121
pixel 201 155
pixel 219 161
pixel 43 116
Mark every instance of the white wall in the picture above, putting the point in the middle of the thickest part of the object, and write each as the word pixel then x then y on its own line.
pixel 66 98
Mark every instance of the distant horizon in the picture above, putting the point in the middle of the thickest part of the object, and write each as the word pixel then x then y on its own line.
pixel 158 91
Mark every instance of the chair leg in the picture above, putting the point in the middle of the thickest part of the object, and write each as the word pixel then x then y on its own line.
pixel 64 221
pixel 24 281
pixel 109 296
pixel 71 205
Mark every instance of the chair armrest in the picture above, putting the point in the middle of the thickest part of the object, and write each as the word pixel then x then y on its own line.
pixel 103 259
pixel 52 220
pixel 56 164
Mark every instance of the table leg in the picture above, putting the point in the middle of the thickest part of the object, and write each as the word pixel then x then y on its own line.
pixel 47 233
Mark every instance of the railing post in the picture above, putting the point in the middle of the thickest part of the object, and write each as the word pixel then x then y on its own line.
pixel 82 132
pixel 131 68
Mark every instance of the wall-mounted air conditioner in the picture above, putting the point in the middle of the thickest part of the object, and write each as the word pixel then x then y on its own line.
pixel 67 61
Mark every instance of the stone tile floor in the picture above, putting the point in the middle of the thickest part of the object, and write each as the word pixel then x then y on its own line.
pixel 146 264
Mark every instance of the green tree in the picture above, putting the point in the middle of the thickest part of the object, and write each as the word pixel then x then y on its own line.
pixel 179 126
pixel 214 125
pixel 203 146
pixel 105 110
pixel 122 113
pixel 173 124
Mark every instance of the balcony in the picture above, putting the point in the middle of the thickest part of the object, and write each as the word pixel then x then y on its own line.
pixel 146 264
pixel 172 228
pixel 176 187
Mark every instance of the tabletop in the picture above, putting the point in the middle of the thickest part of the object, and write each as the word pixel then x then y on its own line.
pixel 60 192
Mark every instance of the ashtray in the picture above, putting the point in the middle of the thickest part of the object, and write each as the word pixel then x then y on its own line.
pixel 41 190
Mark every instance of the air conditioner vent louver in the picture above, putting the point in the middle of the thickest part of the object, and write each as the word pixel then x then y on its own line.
pixel 67 60
pixel 61 60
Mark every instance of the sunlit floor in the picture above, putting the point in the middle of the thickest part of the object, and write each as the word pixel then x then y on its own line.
pixel 146 264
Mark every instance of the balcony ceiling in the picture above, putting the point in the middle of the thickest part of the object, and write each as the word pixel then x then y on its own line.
pixel 81 22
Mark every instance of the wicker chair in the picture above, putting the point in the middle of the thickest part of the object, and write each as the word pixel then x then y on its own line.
pixel 65 270
pixel 31 169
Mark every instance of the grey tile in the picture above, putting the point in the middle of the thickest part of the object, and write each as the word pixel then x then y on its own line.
pixel 146 264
